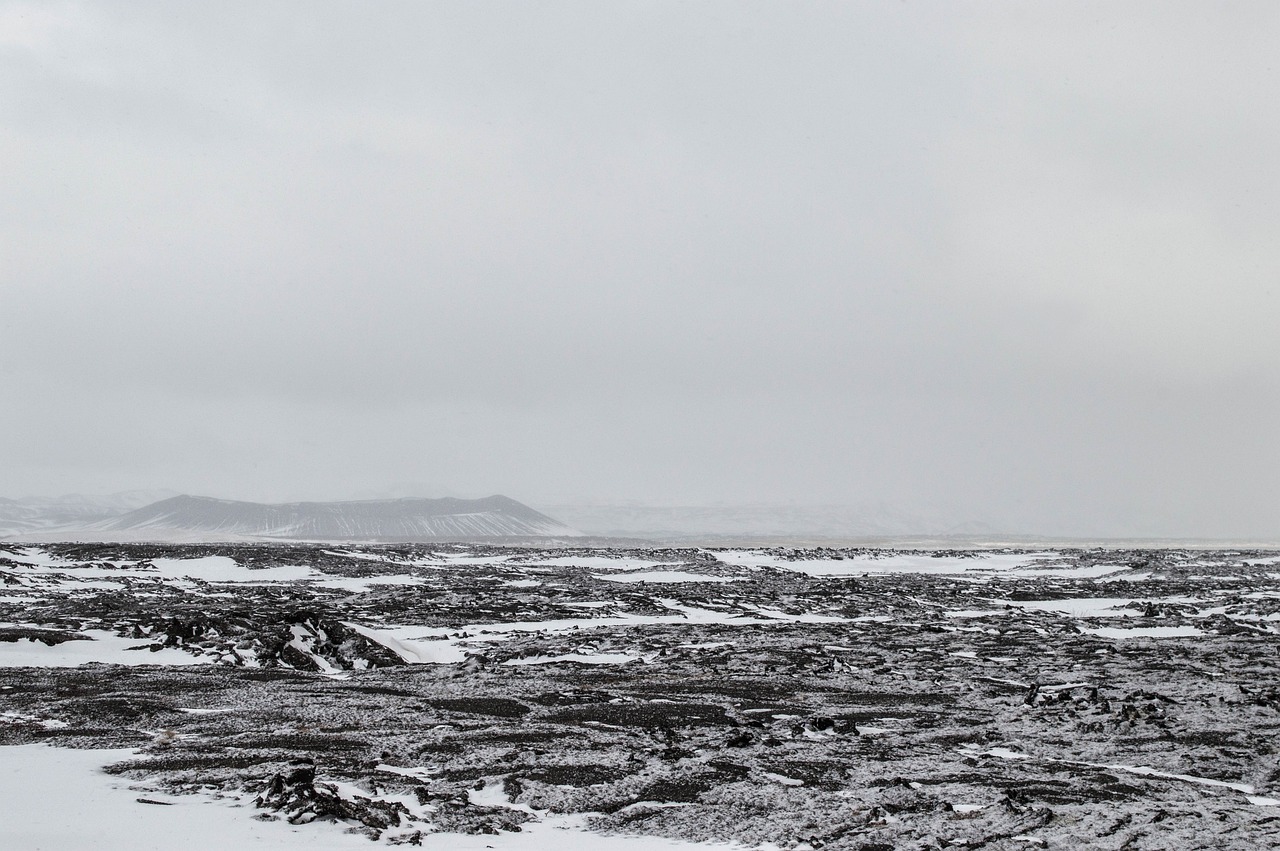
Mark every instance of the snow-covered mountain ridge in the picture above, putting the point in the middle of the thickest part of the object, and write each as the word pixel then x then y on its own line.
pixel 197 517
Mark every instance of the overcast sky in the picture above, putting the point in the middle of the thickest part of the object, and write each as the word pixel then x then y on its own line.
pixel 1020 258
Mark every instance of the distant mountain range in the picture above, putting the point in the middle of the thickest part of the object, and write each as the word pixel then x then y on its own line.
pixel 34 514
pixel 166 516
pixel 198 518
pixel 163 516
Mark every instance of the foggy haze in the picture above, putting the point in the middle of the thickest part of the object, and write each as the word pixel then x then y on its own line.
pixel 1013 263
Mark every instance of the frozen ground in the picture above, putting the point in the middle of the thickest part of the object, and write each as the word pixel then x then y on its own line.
pixel 55 799
pixel 471 697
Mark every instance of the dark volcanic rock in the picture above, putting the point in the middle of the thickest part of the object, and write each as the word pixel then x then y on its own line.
pixel 894 711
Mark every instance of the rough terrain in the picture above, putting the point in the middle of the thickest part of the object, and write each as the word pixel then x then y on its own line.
pixel 841 699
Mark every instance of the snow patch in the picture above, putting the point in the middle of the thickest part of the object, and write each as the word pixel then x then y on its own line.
pixel 1144 632
pixel 667 576
pixel 103 647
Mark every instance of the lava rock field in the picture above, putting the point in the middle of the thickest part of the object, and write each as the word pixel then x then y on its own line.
pixel 799 698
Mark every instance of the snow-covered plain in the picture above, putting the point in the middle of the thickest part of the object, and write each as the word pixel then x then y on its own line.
pixel 58 799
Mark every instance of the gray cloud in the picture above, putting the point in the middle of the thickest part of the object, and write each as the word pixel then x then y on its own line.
pixel 1017 259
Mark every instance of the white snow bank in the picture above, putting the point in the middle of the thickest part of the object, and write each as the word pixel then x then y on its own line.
pixel 667 576
pixel 441 645
pixel 360 584
pixel 1144 632
pixel 226 569
pixel 53 799
pixel 357 555
pixel 1080 607
pixel 1004 564
pixel 206 568
pixel 105 647
pixel 1095 607
pixel 33 556
pixel 447 559
pixel 24 718
pixel 416 645
pixel 1141 770
pixel 682 614
pixel 803 617
pixel 1144 771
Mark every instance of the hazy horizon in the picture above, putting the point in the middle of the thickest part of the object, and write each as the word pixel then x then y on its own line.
pixel 1009 263
pixel 704 524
